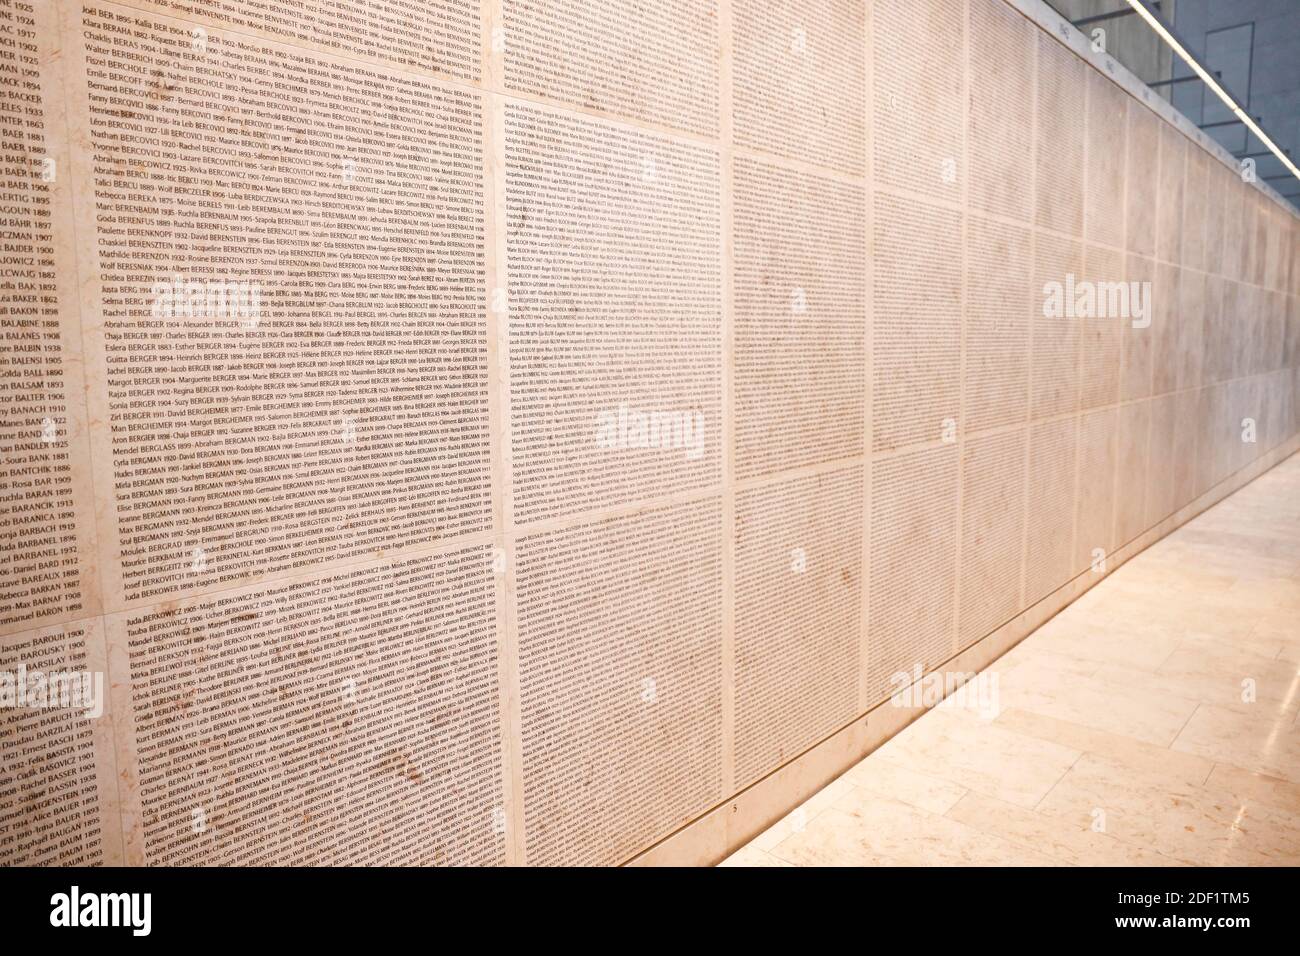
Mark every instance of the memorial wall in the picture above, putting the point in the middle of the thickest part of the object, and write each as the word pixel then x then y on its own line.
pixel 451 433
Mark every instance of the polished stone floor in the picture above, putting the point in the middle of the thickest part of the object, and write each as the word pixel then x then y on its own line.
pixel 1152 722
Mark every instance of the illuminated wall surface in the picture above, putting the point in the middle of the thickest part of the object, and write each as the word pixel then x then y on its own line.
pixel 499 435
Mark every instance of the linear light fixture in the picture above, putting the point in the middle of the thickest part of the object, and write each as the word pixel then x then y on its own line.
pixel 1140 6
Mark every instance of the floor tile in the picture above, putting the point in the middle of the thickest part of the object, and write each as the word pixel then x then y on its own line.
pixel 1259 743
pixel 1154 722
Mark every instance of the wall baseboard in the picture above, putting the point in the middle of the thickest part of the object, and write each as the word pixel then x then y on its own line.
pixel 722 830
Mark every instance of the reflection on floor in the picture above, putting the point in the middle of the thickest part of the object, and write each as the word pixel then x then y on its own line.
pixel 1153 722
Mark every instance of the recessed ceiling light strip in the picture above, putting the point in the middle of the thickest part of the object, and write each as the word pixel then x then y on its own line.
pixel 1158 25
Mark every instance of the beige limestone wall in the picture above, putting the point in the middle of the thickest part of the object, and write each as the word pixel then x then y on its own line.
pixel 512 433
